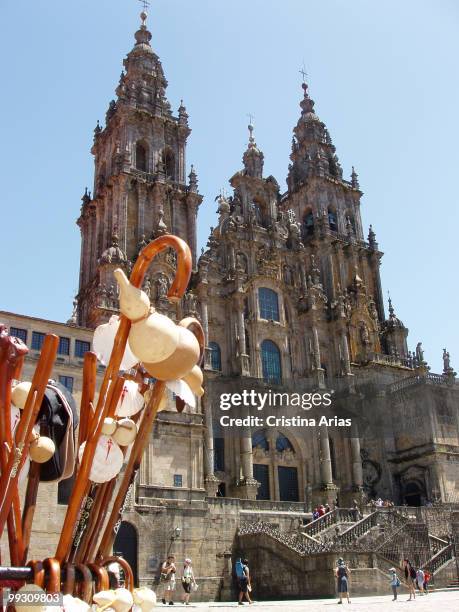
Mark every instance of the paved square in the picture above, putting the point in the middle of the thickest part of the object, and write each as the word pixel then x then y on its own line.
pixel 444 601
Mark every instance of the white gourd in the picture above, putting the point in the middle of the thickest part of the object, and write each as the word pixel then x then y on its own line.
pixel 19 394
pixel 123 601
pixel 126 431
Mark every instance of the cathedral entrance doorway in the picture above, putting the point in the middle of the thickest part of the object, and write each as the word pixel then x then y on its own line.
pixel 288 483
pixel 126 545
pixel 277 466
pixel 413 494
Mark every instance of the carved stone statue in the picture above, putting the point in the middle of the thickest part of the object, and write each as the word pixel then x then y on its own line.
pixel 162 287
pixel 446 361
pixel 419 353
pixel 364 334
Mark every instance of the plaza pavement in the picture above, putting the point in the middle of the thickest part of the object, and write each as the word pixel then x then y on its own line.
pixel 441 601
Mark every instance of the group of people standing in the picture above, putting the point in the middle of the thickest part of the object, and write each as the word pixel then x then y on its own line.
pixel 168 579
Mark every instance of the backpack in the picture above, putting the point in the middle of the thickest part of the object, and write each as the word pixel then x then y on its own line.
pixel 58 419
pixel 397 582
pixel 239 569
pixel 412 573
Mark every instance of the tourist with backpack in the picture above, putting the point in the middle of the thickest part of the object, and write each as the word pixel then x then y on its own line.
pixel 343 575
pixel 410 578
pixel 168 570
pixel 420 578
pixel 243 578
pixel 394 582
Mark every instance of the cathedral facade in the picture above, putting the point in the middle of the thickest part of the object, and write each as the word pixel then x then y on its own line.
pixel 289 294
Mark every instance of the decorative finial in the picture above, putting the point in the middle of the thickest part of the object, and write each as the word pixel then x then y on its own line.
pixel 354 179
pixel 144 14
pixel 391 308
pixel 251 128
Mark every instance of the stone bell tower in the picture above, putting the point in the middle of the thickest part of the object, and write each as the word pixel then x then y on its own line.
pixel 140 185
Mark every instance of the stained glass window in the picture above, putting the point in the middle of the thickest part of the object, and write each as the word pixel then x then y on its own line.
pixel 269 304
pixel 283 443
pixel 215 356
pixel 271 362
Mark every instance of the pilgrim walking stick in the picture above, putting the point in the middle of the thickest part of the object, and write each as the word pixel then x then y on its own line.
pixel 23 435
pixel 176 291
pixel 12 353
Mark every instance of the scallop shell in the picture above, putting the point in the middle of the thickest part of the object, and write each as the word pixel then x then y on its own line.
pixel 107 462
pixel 131 401
pixel 102 598
pixel 123 601
pixel 145 598
pixel 182 389
pixel 102 344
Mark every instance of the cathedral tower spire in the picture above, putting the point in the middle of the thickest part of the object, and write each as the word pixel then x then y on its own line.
pixel 140 181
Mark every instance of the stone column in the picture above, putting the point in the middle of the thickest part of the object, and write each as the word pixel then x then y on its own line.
pixel 242 356
pixel 325 460
pixel 142 195
pixel 248 486
pixel 317 366
pixel 191 223
pixel 357 474
pixel 210 480
pixel 327 491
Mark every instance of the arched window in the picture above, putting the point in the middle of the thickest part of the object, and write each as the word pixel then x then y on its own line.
pixel 140 157
pixel 308 224
pixel 260 440
pixel 169 163
pixel 271 362
pixel 332 220
pixel 283 443
pixel 215 356
pixel 269 304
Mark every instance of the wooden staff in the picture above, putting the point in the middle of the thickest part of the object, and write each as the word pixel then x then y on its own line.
pixel 99 489
pixel 87 395
pixel 132 467
pixel 30 503
pixel 176 291
pixel 24 431
pixel 12 354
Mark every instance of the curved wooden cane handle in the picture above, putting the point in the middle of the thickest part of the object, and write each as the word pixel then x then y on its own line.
pixel 126 568
pixel 69 582
pixel 101 575
pixel 52 568
pixel 184 263
pixel 38 572
pixel 83 588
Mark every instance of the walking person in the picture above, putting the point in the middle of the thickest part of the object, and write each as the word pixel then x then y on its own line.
pixel 168 571
pixel 343 575
pixel 394 582
pixel 426 581
pixel 410 577
pixel 420 578
pixel 244 581
pixel 188 581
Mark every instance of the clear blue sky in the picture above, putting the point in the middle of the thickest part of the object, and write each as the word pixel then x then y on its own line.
pixel 384 77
